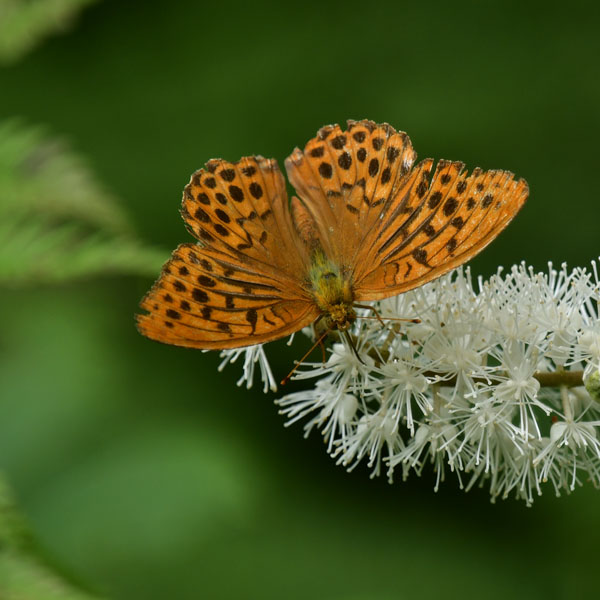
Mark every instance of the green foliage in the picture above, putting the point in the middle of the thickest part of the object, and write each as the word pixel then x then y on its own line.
pixel 56 220
pixel 23 23
pixel 24 572
pixel 151 476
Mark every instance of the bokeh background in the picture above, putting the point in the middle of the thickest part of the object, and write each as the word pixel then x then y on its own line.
pixel 143 472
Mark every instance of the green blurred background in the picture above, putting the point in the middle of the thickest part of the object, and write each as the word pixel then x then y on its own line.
pixel 146 474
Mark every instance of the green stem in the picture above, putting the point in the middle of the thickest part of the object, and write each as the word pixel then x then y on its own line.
pixel 557 379
pixel 546 379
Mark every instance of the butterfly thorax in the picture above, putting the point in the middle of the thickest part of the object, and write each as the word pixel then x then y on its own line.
pixel 332 291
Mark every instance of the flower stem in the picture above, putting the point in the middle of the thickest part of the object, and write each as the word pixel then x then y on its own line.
pixel 556 379
pixel 546 379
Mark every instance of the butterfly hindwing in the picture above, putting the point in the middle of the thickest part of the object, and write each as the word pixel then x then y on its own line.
pixel 206 299
pixel 244 282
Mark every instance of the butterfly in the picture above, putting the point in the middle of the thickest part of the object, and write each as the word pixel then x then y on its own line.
pixel 367 223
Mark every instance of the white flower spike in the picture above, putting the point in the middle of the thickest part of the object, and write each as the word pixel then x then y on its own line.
pixel 499 385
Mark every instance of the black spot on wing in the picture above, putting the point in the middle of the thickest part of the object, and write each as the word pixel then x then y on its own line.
pixel 256 190
pixel 325 170
pixel 373 167
pixel 236 193
pixel 421 189
pixel 252 317
pixel 434 199
pixel 420 255
pixel 457 222
pixel 228 174
pixel 429 230
pixel 345 160
pixel 206 281
pixel 222 215
pixel 338 142
pixel 450 206
pixel 199 295
pixel 392 154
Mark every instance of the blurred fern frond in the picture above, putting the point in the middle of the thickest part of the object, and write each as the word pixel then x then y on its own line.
pixel 40 176
pixel 56 220
pixel 25 571
pixel 24 23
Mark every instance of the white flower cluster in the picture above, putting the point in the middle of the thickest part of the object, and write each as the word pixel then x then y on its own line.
pixel 488 384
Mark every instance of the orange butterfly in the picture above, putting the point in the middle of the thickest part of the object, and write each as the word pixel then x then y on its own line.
pixel 367 225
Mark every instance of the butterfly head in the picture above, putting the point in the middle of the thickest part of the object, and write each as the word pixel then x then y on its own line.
pixel 340 316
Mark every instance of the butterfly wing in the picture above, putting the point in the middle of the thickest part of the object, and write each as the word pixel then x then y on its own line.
pixel 430 228
pixel 344 178
pixel 241 209
pixel 243 284
pixel 392 225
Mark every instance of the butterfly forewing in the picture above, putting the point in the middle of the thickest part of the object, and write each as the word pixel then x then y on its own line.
pixel 344 178
pixel 454 218
pixel 242 209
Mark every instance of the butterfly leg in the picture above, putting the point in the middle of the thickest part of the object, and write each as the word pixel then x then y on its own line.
pixel 367 307
pixel 316 332
pixel 352 345
pixel 318 342
pixel 322 346
pixel 380 318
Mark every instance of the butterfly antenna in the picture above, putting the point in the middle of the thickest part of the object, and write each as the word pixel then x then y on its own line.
pixel 321 338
